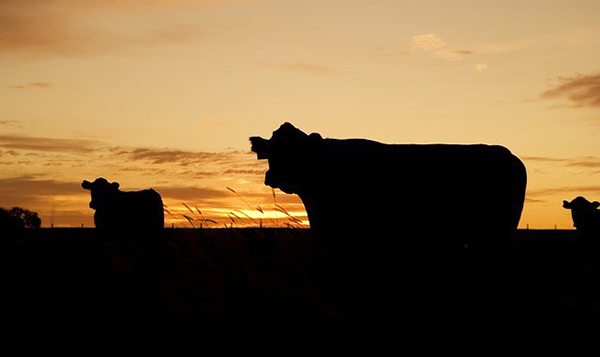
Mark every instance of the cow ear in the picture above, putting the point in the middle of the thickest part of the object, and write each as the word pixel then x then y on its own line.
pixel 287 126
pixel 288 131
pixel 86 185
pixel 595 204
pixel 566 204
pixel 114 186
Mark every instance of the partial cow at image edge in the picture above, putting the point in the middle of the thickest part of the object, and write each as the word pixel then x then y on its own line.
pixel 586 219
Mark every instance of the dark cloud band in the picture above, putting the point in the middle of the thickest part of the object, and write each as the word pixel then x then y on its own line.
pixel 582 91
pixel 46 144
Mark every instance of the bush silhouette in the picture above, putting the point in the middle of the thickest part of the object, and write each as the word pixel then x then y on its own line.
pixel 17 217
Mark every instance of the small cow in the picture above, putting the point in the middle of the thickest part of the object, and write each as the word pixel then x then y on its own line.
pixel 125 211
pixel 586 217
pixel 445 193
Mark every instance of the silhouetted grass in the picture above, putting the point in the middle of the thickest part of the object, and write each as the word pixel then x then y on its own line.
pixel 287 290
pixel 236 217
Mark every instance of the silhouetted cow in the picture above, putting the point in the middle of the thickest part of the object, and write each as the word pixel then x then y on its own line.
pixel 125 211
pixel 444 193
pixel 586 218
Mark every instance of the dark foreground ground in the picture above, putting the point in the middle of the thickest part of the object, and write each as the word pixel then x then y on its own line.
pixel 285 292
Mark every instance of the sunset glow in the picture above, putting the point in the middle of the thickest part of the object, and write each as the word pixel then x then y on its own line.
pixel 165 94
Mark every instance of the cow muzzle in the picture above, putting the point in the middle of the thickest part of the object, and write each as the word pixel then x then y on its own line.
pixel 261 147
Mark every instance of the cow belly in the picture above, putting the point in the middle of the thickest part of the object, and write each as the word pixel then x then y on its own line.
pixel 437 200
pixel 390 212
pixel 143 215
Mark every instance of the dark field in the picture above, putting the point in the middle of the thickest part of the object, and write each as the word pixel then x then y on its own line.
pixel 282 291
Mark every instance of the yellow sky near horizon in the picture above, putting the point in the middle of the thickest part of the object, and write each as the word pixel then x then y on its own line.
pixel 165 94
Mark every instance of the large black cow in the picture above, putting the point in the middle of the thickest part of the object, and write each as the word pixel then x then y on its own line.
pixel 586 218
pixel 429 194
pixel 119 211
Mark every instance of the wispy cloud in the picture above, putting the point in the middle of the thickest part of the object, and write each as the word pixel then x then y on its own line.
pixel 9 122
pixel 305 68
pixel 62 26
pixel 589 162
pixel 543 159
pixel 533 200
pixel 453 55
pixel 434 43
pixel 244 172
pixel 584 162
pixel 195 174
pixel 428 42
pixel 9 152
pixel 46 144
pixel 384 52
pixel 570 191
pixel 181 157
pixel 581 91
pixel 39 85
pixel 480 67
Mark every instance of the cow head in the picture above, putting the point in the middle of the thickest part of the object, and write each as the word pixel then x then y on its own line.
pixel 291 154
pixel 580 210
pixel 99 189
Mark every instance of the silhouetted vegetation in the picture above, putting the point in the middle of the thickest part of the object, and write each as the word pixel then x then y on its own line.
pixel 285 291
pixel 18 218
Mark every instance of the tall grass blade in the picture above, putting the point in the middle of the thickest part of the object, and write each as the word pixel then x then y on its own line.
pixel 190 219
pixel 246 215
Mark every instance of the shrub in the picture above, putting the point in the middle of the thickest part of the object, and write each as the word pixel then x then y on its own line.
pixel 18 217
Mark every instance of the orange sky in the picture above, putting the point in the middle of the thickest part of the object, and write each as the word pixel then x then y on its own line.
pixel 165 94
